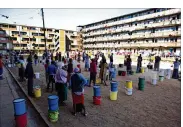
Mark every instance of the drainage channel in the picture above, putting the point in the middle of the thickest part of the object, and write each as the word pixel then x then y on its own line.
pixel 34 118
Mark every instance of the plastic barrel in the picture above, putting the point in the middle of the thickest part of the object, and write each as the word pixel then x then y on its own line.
pixel 114 86
pixel 154 81
pixel 129 84
pixel 113 95
pixel 37 92
pixel 123 73
pixel 141 83
pixel 98 81
pixel 96 90
pixel 37 75
pixel 19 106
pixel 53 102
pixel 53 116
pixel 21 120
pixel 129 91
pixel 142 70
pixel 161 78
pixel 97 100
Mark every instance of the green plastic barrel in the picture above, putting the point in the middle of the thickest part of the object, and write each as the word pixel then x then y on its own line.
pixel 141 83
pixel 53 116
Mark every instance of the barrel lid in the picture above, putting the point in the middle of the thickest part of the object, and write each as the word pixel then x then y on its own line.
pixel 128 80
pixel 52 97
pixel 18 100
pixel 96 86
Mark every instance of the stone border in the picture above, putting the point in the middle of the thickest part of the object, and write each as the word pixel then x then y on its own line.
pixel 32 102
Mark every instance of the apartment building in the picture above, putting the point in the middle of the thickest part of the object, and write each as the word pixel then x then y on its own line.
pixel 30 38
pixel 154 30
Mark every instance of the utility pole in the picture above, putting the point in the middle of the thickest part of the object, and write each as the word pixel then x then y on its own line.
pixel 44 30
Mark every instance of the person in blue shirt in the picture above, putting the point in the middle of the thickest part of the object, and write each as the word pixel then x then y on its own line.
pixel 175 74
pixel 51 70
pixel 77 83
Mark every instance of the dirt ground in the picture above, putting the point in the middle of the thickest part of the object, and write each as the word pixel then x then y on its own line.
pixel 156 106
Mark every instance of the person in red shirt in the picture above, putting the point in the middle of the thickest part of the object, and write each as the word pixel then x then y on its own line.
pixel 93 72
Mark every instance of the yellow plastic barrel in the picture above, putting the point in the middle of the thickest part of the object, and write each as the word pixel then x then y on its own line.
pixel 98 81
pixel 113 95
pixel 142 70
pixel 129 84
pixel 37 92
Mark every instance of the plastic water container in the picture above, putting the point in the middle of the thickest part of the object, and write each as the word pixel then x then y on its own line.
pixel 142 70
pixel 113 95
pixel 154 75
pixel 114 86
pixel 37 74
pixel 96 90
pixel 19 106
pixel 161 78
pixel 37 92
pixel 9 65
pixel 21 120
pixel 128 91
pixel 97 100
pixel 53 102
pixel 154 81
pixel 161 72
pixel 128 84
pixel 123 73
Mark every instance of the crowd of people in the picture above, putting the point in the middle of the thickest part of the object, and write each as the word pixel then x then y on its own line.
pixel 61 72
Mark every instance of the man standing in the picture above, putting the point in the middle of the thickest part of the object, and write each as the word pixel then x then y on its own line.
pixel 60 56
pixel 93 72
pixel 157 63
pixel 111 58
pixel 139 63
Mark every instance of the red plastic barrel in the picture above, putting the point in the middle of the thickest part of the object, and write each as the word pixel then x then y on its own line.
pixel 97 100
pixel 123 73
pixel 21 120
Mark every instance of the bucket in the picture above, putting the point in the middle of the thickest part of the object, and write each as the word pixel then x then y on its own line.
pixel 128 91
pixel 37 92
pixel 9 65
pixel 98 81
pixel 154 75
pixel 154 81
pixel 162 72
pixel 96 90
pixel 53 115
pixel 53 102
pixel 37 75
pixel 113 95
pixel 161 78
pixel 97 100
pixel 141 83
pixel 168 73
pixel 19 106
pixel 129 84
pixel 21 120
pixel 114 86
pixel 123 73
pixel 142 70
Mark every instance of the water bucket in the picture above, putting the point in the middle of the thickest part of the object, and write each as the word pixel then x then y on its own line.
pixel 53 116
pixel 123 73
pixel 21 120
pixel 19 106
pixel 37 92
pixel 96 90
pixel 98 81
pixel 37 75
pixel 114 86
pixel 168 73
pixel 113 95
pixel 129 84
pixel 161 72
pixel 53 102
pixel 9 65
pixel 154 81
pixel 97 100
pixel 142 70
pixel 141 83
pixel 128 91
pixel 154 75
pixel 161 78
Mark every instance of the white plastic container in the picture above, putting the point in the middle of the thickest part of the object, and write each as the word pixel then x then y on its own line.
pixel 162 72
pixel 9 65
pixel 128 91
pixel 37 75
pixel 154 82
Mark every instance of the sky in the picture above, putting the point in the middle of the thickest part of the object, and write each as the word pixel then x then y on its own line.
pixel 60 18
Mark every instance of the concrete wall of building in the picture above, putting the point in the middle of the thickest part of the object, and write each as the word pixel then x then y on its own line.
pixel 62 41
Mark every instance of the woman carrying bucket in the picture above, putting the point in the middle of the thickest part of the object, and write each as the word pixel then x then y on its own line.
pixel 77 83
pixel 61 83
pixel 175 74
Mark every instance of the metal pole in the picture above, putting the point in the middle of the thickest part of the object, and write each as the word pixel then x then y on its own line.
pixel 44 30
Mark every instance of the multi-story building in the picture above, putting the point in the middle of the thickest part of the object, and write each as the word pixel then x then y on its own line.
pixel 30 38
pixel 151 30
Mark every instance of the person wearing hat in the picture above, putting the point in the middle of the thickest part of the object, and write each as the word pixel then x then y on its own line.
pixel 77 83
pixel 61 83
pixel 29 74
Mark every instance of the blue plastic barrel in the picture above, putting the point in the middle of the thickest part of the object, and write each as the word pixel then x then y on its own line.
pixel 19 106
pixel 96 90
pixel 53 102
pixel 114 86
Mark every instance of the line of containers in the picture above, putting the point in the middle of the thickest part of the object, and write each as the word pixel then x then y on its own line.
pixel 53 108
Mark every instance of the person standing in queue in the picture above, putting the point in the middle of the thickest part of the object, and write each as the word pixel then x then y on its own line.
pixel 93 72
pixel 29 74
pixel 129 64
pixel 175 74
pixel 139 63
